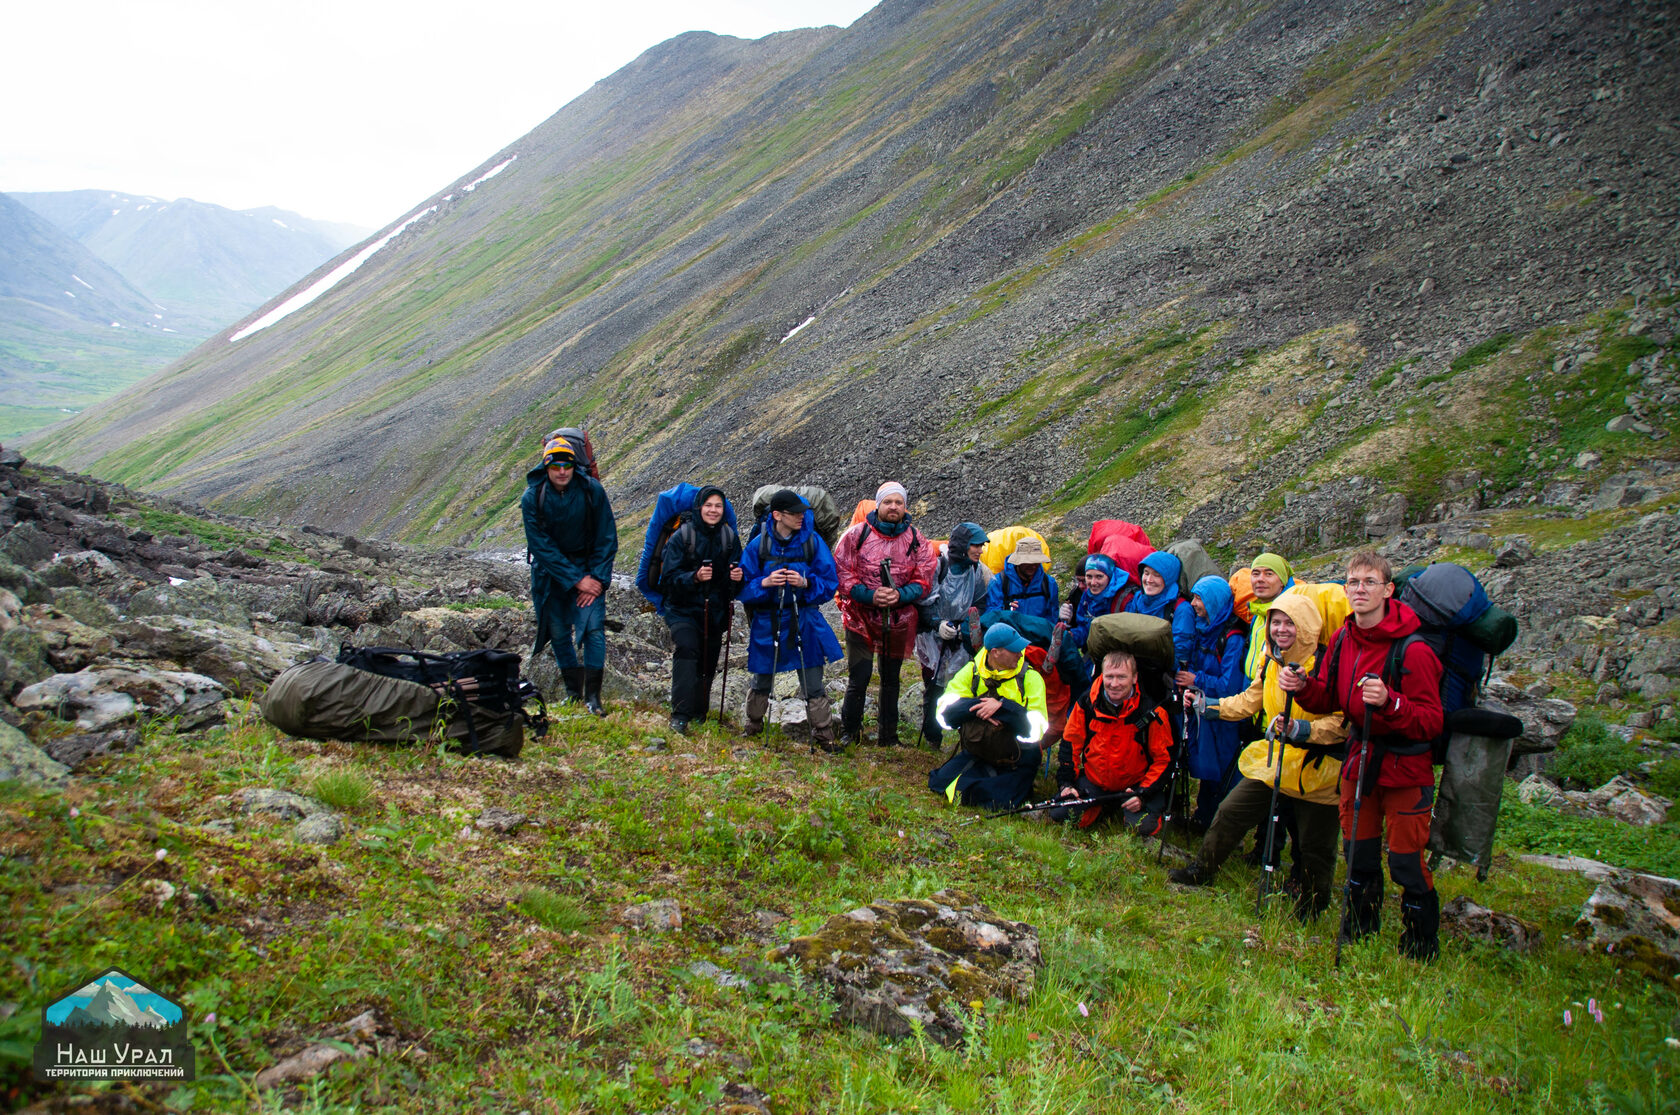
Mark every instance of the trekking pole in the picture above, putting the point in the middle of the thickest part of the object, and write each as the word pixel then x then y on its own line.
pixel 1277 783
pixel 1052 803
pixel 1358 798
pixel 728 642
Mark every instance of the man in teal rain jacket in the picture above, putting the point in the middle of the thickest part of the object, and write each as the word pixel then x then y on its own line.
pixel 571 539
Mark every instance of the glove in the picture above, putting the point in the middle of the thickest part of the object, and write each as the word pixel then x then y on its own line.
pixel 1066 613
pixel 947 631
pixel 1299 731
pixel 1199 702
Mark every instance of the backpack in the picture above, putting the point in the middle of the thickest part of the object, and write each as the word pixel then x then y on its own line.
pixel 1194 564
pixel 581 448
pixel 992 744
pixel 672 510
pixel 825 513
pixel 474 699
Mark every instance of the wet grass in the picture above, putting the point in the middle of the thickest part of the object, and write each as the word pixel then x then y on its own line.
pixel 503 966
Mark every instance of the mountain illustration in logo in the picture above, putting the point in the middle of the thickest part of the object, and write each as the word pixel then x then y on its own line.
pixel 114 999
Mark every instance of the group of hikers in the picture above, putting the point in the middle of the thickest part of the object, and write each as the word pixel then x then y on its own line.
pixel 1298 709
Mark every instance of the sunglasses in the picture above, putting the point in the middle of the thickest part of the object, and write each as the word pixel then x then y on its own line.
pixel 562 464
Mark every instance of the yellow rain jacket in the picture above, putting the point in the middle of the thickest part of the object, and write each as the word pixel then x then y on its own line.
pixel 1305 776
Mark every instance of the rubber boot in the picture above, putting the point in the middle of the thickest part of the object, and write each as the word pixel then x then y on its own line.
pixel 758 704
pixel 1194 874
pixel 573 677
pixel 1364 909
pixel 931 731
pixel 1420 926
pixel 592 691
pixel 821 719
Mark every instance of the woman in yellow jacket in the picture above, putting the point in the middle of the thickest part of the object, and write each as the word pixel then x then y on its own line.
pixel 1310 751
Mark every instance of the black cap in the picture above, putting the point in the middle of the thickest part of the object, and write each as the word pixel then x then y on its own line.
pixel 787 500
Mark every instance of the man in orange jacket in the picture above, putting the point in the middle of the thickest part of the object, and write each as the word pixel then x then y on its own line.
pixel 1116 741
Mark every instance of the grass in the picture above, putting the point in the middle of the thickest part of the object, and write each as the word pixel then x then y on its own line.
pixel 1589 755
pixel 346 791
pixel 504 959
pixel 484 602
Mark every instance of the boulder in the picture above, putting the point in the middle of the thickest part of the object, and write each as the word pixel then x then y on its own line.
pixel 320 828
pixel 23 660
pixel 1512 553
pixel 201 598
pixel 21 761
pixel 1538 790
pixel 1545 719
pixel 71 644
pixel 279 803
pixel 497 819
pixel 235 656
pixel 923 961
pixel 83 747
pixel 1386 516
pixel 659 916
pixel 22 582
pixel 28 545
pixel 285 603
pixel 1635 919
pixel 100 697
pixel 1478 923
pixel 84 607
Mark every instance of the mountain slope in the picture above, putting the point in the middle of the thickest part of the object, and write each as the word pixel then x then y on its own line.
pixel 1053 261
pixel 71 328
pixel 208 264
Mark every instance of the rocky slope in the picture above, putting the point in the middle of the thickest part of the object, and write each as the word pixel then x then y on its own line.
pixel 1045 261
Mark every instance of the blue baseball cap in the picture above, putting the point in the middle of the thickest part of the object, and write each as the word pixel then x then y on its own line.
pixel 1001 636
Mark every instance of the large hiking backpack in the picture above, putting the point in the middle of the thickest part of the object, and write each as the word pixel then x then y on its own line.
pixel 1466 630
pixel 474 699
pixel 671 510
pixel 1041 633
pixel 1126 543
pixel 825 513
pixel 1001 543
pixel 1194 564
pixel 581 448
pixel 1146 638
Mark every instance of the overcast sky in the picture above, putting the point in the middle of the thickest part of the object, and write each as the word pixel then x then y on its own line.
pixel 348 110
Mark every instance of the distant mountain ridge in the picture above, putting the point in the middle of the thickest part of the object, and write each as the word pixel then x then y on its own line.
pixel 98 289
pixel 1053 261
pixel 208 264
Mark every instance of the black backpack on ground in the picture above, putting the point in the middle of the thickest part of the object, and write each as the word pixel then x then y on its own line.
pixel 481 690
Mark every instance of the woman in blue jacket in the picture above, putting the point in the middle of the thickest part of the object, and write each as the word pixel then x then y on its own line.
pixel 788 574
pixel 1158 596
pixel 1105 593
pixel 1215 667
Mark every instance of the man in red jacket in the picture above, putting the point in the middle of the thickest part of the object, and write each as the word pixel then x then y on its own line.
pixel 1374 671
pixel 1116 741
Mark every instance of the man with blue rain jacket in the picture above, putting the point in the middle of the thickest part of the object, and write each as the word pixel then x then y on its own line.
pixel 571 539
pixel 788 574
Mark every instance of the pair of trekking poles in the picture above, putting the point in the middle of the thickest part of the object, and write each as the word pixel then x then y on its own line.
pixel 1358 801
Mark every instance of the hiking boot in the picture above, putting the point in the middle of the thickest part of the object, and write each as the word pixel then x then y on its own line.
pixel 573 677
pixel 849 736
pixel 887 735
pixel 679 725
pixel 1420 923
pixel 758 704
pixel 592 691
pixel 821 719
pixel 1194 874
pixel 1364 909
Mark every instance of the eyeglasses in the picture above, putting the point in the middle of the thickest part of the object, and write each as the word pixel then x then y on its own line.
pixel 1366 584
